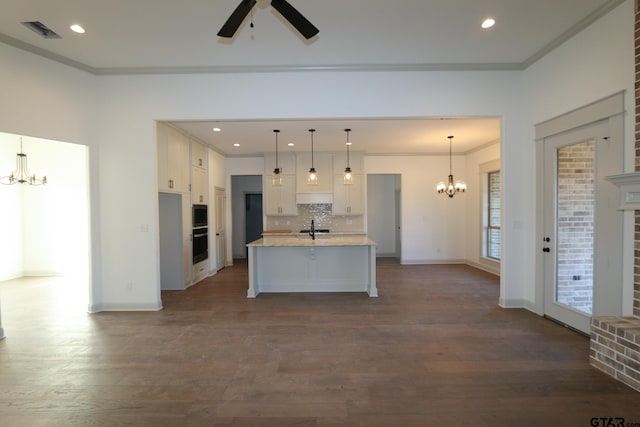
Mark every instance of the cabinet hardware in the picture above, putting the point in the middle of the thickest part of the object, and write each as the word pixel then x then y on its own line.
pixel 546 250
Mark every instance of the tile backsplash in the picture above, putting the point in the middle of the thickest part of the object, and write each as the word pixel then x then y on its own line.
pixel 321 214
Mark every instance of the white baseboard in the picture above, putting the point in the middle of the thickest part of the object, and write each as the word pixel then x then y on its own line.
pixel 431 261
pixel 124 306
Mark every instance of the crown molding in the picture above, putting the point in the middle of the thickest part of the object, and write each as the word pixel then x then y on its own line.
pixel 508 66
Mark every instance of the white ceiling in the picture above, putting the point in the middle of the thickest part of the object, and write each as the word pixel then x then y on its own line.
pixel 161 36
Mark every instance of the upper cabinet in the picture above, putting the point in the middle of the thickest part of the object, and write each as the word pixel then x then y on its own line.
pixel 323 164
pixel 199 189
pixel 173 160
pixel 348 199
pixel 198 154
pixel 280 200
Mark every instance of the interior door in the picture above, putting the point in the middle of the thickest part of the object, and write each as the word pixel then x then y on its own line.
pixel 221 208
pixel 578 213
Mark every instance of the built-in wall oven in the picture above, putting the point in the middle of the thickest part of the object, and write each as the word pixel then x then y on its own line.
pixel 200 233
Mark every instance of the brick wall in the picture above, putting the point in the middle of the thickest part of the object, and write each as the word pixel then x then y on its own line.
pixel 576 203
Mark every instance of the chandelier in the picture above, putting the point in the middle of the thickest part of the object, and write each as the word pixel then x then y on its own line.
pixel 21 175
pixel 451 188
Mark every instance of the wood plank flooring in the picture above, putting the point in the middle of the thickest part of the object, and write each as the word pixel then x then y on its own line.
pixel 433 350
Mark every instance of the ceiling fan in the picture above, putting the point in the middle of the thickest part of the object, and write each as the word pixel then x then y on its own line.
pixel 288 12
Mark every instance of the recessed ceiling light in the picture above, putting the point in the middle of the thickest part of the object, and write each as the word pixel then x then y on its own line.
pixel 76 28
pixel 488 23
pixel 217 129
pixel 291 144
pixel 236 145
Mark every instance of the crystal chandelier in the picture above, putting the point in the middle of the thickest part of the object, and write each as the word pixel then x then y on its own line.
pixel 451 188
pixel 22 175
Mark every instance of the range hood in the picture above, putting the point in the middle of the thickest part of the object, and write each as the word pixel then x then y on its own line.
pixel 314 198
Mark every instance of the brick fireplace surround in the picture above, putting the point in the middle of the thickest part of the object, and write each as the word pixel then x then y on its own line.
pixel 615 341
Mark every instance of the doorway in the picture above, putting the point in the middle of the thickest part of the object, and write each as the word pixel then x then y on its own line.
pixel 221 234
pixel 384 213
pixel 253 217
pixel 45 234
pixel 241 186
pixel 582 229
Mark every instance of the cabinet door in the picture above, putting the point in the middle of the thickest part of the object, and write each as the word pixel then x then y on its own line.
pixel 286 163
pixel 198 155
pixel 199 189
pixel 280 200
pixel 348 199
pixel 178 161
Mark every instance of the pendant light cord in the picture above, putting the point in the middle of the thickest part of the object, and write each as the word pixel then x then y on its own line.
pixel 450 161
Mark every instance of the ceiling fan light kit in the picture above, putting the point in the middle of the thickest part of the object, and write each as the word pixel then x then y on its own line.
pixel 288 12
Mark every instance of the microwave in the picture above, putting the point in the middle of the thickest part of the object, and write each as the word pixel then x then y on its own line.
pixel 200 216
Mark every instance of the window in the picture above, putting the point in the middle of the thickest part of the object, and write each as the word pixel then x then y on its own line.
pixel 493 215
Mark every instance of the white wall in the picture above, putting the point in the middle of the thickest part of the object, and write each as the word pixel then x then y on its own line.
pixel 433 225
pixel 594 64
pixel 57 102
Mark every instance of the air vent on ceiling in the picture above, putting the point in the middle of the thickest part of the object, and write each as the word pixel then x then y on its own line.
pixel 41 29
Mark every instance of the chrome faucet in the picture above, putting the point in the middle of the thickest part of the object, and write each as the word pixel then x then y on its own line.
pixel 312 232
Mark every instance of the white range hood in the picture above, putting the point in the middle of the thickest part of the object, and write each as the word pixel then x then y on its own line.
pixel 314 198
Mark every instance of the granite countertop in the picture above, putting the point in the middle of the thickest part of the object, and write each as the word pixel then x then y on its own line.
pixel 298 239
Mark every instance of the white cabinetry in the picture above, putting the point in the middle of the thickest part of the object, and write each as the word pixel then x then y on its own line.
pixel 280 200
pixel 348 199
pixel 198 154
pixel 199 189
pixel 173 160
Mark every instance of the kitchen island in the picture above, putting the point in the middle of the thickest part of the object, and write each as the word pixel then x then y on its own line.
pixel 297 263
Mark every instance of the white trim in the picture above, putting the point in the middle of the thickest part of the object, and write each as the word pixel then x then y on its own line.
pixel 431 261
pixel 125 306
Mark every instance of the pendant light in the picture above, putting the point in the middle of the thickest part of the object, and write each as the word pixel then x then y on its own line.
pixel 22 175
pixel 276 178
pixel 348 175
pixel 312 178
pixel 450 189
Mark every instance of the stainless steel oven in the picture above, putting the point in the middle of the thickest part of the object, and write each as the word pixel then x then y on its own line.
pixel 200 216
pixel 200 244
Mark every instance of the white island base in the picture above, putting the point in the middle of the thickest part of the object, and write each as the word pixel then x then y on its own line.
pixel 291 264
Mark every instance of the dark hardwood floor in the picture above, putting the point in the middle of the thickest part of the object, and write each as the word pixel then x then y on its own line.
pixel 433 350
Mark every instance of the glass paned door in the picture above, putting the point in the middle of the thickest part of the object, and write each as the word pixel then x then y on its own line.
pixel 569 241
pixel 575 208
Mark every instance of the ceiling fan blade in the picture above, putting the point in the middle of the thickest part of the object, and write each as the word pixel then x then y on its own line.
pixel 235 20
pixel 295 18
